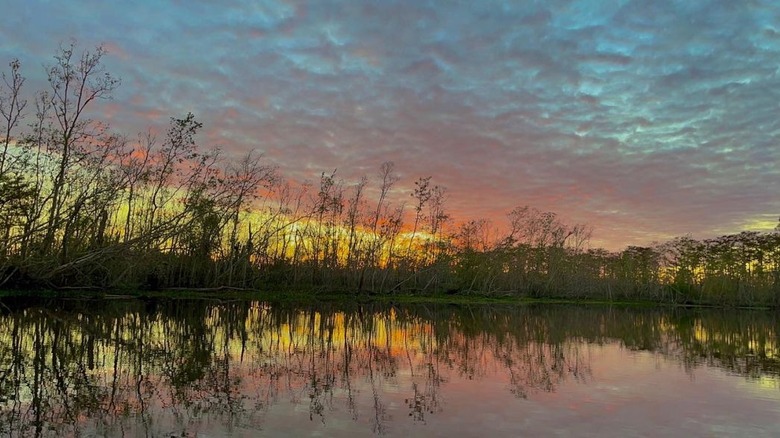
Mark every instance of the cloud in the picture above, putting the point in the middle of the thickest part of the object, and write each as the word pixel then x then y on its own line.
pixel 646 119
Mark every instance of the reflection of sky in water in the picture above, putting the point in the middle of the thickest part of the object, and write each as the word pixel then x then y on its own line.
pixel 629 394
pixel 651 395
pixel 237 368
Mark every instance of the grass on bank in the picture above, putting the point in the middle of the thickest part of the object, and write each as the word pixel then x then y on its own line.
pixel 314 296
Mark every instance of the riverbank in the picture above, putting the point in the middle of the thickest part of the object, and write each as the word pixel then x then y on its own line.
pixel 317 296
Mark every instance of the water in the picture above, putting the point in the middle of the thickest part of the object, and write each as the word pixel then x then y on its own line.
pixel 208 368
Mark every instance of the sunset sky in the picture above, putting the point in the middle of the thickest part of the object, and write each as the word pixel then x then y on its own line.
pixel 646 119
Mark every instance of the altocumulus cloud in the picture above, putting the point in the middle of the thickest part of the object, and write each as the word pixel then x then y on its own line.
pixel 646 119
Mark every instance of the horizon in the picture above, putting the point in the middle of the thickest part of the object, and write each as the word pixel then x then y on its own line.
pixel 644 121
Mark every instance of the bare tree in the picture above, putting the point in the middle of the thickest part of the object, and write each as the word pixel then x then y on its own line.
pixel 422 194
pixel 76 82
pixel 12 106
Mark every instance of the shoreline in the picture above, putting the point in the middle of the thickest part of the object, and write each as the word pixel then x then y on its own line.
pixel 331 296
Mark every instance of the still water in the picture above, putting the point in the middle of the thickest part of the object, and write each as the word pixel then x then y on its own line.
pixel 188 368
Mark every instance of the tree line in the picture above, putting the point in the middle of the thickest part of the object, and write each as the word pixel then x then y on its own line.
pixel 84 207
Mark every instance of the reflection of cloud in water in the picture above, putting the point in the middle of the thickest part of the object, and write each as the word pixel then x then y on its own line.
pixel 173 367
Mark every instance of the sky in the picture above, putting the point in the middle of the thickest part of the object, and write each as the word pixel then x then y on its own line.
pixel 646 119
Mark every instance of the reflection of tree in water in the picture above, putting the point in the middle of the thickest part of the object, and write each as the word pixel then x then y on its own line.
pixel 171 367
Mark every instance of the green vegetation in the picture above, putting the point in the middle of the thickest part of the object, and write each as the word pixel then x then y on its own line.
pixel 83 207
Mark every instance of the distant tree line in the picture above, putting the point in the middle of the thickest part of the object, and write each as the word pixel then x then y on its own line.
pixel 84 207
